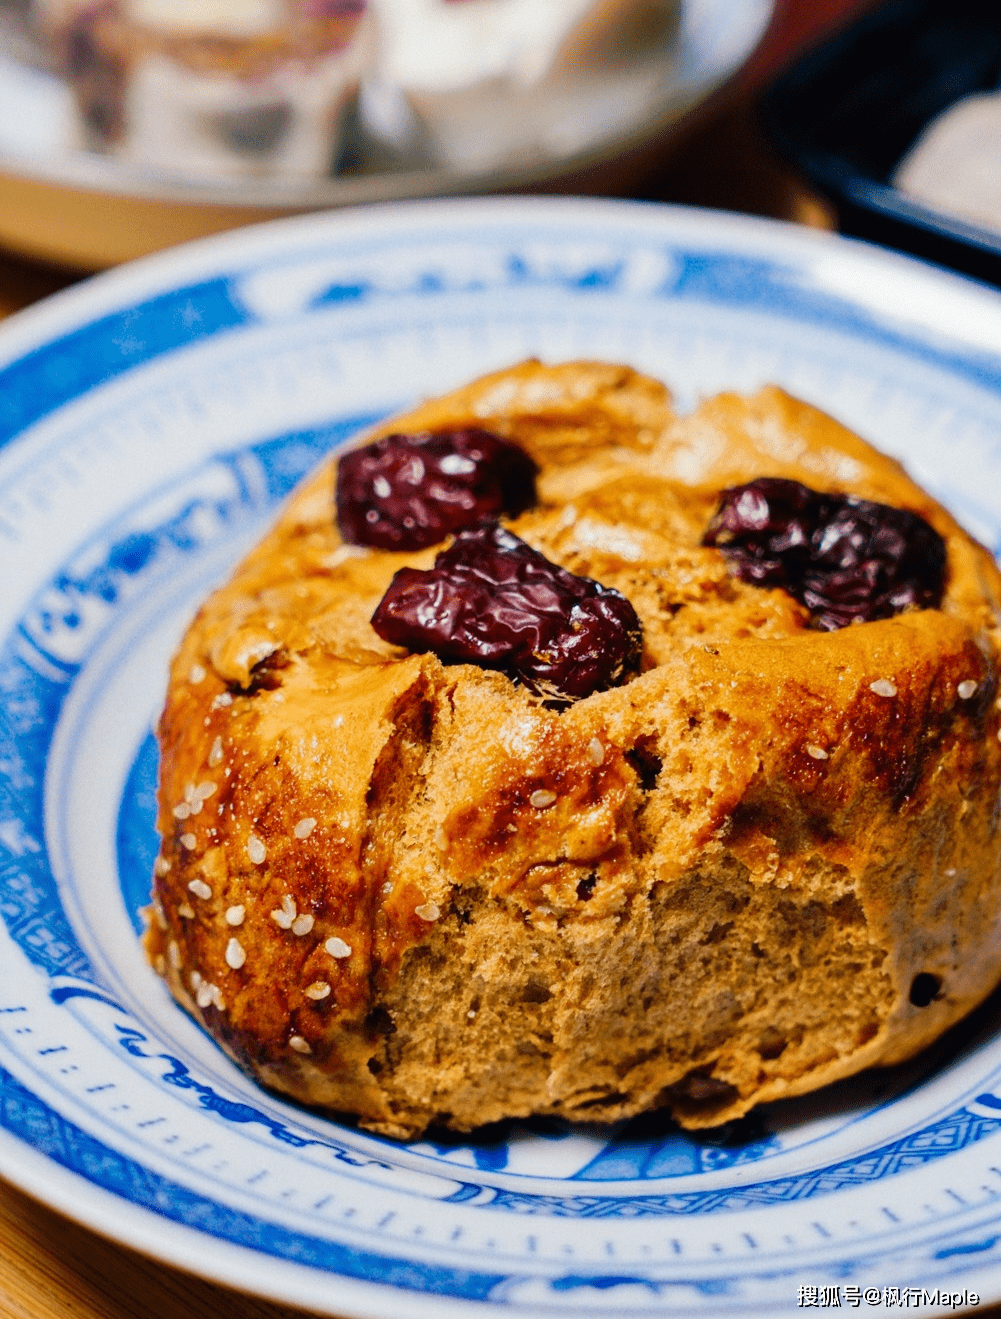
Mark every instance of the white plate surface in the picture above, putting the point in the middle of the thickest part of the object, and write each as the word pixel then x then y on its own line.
pixel 150 422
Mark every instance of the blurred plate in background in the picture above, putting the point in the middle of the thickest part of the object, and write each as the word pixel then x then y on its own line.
pixel 82 208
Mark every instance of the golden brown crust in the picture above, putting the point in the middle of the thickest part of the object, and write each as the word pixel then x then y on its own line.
pixel 710 887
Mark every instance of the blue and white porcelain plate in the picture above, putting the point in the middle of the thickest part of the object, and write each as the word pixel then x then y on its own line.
pixel 151 422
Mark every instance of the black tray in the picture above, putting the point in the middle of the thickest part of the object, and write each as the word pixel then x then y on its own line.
pixel 846 114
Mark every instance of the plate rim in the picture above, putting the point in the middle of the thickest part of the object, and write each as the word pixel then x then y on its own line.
pixel 108 291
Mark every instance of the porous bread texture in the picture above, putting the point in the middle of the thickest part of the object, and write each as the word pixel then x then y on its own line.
pixel 710 887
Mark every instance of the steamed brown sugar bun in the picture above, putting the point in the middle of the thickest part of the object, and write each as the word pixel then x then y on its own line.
pixel 579 758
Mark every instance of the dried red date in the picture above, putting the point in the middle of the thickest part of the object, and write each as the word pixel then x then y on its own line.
pixel 492 600
pixel 404 492
pixel 845 558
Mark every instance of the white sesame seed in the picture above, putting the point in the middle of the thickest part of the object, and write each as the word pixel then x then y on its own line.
pixel 256 850
pixel 235 915
pixel 204 995
pixel 222 700
pixel 195 806
pixel 158 912
pixel 189 841
pixel 967 689
pixel 883 687
pixel 196 674
pixel 542 798
pixel 217 998
pixel 186 911
pixel 206 790
pixel 337 947
pixel 818 753
pixel 286 914
pixel 317 990
pixel 299 1044
pixel 345 552
pixel 951 872
pixel 595 751
pixel 199 888
pixel 159 965
pixel 235 956
pixel 305 827
pixel 215 755
pixel 471 1013
pixel 195 979
pixel 430 911
pixel 181 811
pixel 302 925
pixel 161 866
pixel 339 721
pixel 174 954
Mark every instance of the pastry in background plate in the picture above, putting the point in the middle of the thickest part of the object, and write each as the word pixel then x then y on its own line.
pixel 585 759
pixel 475 84
pixel 215 88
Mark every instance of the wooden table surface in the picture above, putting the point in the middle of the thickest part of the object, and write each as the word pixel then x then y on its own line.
pixel 54 1269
